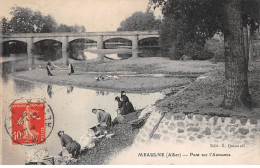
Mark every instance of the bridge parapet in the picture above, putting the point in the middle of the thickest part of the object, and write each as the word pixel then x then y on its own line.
pixel 85 34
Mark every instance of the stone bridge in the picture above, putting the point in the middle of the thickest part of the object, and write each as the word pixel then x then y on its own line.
pixel 65 38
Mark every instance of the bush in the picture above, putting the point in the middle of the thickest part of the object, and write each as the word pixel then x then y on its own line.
pixel 216 47
pixel 175 52
pixel 191 50
pixel 197 52
pixel 175 39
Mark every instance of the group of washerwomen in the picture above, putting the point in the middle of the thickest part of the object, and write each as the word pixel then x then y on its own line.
pixel 105 124
pixel 69 68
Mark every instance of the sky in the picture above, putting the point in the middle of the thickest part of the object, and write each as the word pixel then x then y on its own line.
pixel 95 15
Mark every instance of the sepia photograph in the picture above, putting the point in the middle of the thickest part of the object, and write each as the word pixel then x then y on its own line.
pixel 130 82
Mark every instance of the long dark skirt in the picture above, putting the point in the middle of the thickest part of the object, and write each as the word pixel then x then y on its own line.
pixel 74 149
pixel 130 107
pixel 71 69
pixel 48 71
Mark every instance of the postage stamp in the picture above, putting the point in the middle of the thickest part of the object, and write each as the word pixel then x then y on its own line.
pixel 30 122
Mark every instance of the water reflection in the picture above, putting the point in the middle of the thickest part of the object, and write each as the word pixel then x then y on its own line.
pixel 72 111
pixel 49 91
pixel 71 105
pixel 90 55
pixel 69 89
pixel 26 86
pixel 118 56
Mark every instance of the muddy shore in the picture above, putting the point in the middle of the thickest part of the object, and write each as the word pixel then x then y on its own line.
pixel 132 75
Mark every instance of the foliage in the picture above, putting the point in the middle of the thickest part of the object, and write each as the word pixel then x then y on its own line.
pixel 217 48
pixel 207 17
pixel 49 24
pixel 25 20
pixel 140 21
pixel 197 52
pixel 194 21
pixel 74 28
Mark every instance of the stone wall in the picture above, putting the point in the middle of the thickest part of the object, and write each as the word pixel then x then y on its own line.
pixel 182 128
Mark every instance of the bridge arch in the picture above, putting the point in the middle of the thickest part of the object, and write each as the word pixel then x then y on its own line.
pixel 146 37
pixel 15 39
pixel 117 41
pixel 14 47
pixel 150 41
pixel 48 49
pixel 35 40
pixel 105 38
pixel 70 39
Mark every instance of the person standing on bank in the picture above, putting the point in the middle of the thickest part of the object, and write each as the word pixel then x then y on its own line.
pixel 48 68
pixel 129 105
pixel 72 146
pixel 70 68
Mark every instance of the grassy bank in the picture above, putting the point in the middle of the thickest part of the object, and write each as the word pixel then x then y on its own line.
pixel 106 148
pixel 206 94
pixel 201 97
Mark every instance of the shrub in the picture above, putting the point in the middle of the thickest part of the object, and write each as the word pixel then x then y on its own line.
pixel 197 52
pixel 216 47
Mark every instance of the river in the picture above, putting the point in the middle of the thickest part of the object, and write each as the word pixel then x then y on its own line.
pixel 71 105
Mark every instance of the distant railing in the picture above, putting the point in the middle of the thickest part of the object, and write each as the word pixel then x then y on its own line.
pixel 68 34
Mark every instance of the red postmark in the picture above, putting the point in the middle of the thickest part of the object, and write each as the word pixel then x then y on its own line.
pixel 28 123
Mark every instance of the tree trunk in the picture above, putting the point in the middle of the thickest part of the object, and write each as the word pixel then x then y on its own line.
pixel 1 39
pixel 251 46
pixel 236 96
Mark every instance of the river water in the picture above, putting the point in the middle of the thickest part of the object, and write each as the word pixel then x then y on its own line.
pixel 71 105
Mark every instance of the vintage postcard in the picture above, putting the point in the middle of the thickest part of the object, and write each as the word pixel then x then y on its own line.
pixel 130 82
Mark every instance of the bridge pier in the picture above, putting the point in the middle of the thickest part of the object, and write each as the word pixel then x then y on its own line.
pixel 135 42
pixel 134 54
pixel 101 57
pixel 100 42
pixel 64 49
pixel 29 46
pixel 29 52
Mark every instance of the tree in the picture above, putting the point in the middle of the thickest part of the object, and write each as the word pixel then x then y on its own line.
pixel 74 28
pixel 140 21
pixel 49 24
pixel 77 28
pixel 236 57
pixel 22 20
pixel 186 23
pixel 6 28
pixel 25 20
pixel 206 17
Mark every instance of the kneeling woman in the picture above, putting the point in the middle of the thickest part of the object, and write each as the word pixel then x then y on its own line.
pixel 72 146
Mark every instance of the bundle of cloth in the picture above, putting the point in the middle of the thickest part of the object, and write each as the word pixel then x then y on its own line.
pixel 36 154
pixel 87 140
pixel 107 77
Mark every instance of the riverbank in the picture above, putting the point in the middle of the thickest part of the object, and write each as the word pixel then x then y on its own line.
pixel 106 148
pixel 201 97
pixel 132 75
pixel 204 96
